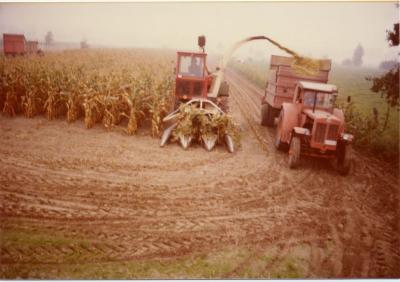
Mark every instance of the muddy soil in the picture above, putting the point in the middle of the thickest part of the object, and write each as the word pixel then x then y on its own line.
pixel 126 198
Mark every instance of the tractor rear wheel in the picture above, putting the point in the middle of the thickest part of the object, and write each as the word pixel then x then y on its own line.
pixel 294 152
pixel 224 89
pixel 344 157
pixel 277 142
pixel 279 145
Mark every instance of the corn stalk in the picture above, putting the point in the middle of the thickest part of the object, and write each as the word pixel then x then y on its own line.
pixel 94 109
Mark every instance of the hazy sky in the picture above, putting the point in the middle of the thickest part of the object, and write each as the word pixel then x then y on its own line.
pixel 330 29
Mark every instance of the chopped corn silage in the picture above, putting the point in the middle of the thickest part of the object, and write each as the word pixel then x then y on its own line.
pixel 195 122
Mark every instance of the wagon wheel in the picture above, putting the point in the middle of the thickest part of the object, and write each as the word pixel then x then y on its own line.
pixel 264 114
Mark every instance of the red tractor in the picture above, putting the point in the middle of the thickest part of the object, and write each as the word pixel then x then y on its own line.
pixel 312 126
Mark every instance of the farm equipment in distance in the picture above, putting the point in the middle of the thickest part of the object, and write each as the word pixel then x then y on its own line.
pixel 311 125
pixel 16 44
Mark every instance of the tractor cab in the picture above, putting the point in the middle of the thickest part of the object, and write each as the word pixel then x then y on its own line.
pixel 316 102
pixel 316 96
pixel 192 79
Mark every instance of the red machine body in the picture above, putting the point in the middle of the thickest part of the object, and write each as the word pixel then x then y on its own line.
pixel 14 44
pixel 192 78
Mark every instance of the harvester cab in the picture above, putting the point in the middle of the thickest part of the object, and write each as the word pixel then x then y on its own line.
pixel 193 79
pixel 311 125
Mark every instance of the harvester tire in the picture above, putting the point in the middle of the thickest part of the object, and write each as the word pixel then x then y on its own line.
pixel 223 89
pixel 294 152
pixel 344 158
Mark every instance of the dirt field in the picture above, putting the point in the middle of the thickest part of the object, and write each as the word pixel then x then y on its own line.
pixel 79 203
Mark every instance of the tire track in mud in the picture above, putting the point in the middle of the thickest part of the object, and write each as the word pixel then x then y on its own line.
pixel 354 245
pixel 246 96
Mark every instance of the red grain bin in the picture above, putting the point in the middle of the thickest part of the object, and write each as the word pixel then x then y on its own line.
pixel 14 44
pixel 281 84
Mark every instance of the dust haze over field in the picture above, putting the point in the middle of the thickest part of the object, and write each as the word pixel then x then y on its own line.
pixel 312 29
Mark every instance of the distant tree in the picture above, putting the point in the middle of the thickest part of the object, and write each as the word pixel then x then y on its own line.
pixel 358 55
pixel 388 84
pixel 393 36
pixel 49 38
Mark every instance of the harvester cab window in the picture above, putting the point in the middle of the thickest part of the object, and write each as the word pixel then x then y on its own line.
pixel 191 66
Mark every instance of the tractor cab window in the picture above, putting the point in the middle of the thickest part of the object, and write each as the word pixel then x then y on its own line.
pixel 191 66
pixel 321 99
pixel 309 97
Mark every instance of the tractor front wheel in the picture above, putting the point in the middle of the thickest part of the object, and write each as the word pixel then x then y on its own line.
pixel 294 152
pixel 344 157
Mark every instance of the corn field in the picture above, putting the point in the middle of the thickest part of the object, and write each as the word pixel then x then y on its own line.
pixel 118 89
